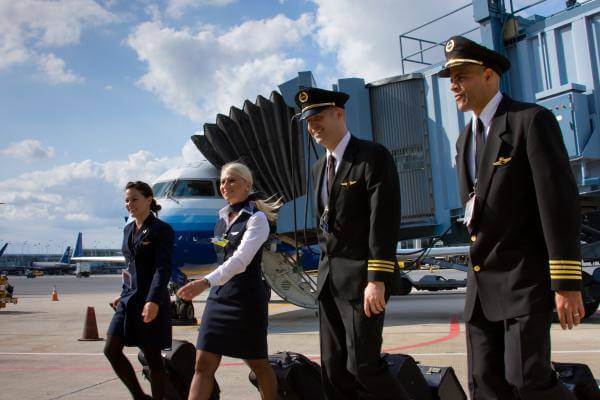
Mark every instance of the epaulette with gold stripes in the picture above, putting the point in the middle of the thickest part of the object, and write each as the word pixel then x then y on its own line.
pixel 381 265
pixel 565 269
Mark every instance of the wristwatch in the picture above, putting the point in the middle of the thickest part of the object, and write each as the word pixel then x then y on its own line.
pixel 207 281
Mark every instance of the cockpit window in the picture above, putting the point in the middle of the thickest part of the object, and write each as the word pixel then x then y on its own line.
pixel 218 185
pixel 160 189
pixel 193 188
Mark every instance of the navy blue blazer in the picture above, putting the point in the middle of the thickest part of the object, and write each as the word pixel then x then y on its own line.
pixel 148 253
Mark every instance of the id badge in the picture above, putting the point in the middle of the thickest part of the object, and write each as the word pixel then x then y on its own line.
pixel 470 211
pixel 219 241
pixel 126 277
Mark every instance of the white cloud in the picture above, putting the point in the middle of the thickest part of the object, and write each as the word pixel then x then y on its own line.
pixel 55 69
pixel 29 27
pixel 201 73
pixel 84 195
pixel 266 35
pixel 28 150
pixel 78 217
pixel 364 37
pixel 176 8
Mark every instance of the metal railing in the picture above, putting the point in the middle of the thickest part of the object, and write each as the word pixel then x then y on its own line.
pixel 432 44
pixel 429 43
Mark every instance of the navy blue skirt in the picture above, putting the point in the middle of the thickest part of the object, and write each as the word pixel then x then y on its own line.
pixel 127 323
pixel 235 321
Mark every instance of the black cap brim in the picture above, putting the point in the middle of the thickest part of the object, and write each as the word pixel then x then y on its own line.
pixel 313 111
pixel 445 72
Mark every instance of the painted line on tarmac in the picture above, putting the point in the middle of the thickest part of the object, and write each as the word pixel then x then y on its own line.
pixel 7 353
pixel 62 396
pixel 453 332
pixel 227 364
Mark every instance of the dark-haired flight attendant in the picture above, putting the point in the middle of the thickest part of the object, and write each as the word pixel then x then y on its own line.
pixel 235 318
pixel 143 310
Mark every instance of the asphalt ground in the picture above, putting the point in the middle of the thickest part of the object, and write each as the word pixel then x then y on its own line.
pixel 41 358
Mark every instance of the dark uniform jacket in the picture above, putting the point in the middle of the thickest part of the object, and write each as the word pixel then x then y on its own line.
pixel 147 255
pixel 525 236
pixel 364 219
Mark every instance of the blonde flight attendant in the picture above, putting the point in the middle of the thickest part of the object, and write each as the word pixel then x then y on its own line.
pixel 235 318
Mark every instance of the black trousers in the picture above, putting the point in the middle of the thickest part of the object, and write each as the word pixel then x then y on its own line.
pixel 510 359
pixel 351 362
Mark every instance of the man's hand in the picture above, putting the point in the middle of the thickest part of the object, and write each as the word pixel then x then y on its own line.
pixel 149 312
pixel 569 306
pixel 374 298
pixel 193 289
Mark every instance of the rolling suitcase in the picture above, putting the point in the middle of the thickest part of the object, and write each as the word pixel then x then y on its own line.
pixel 298 378
pixel 179 363
pixel 578 378
pixel 443 383
pixel 406 370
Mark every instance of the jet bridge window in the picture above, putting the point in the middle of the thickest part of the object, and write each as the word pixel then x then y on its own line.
pixel 160 189
pixel 194 188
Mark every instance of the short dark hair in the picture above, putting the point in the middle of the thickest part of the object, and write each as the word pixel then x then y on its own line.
pixel 146 191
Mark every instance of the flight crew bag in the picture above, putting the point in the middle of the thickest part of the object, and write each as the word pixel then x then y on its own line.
pixel 298 378
pixel 578 378
pixel 443 383
pixel 404 368
pixel 179 363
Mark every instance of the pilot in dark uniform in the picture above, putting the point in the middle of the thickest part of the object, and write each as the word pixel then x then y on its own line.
pixel 235 318
pixel 522 211
pixel 358 202
pixel 143 310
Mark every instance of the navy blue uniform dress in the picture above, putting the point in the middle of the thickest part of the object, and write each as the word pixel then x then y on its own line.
pixel 235 318
pixel 147 252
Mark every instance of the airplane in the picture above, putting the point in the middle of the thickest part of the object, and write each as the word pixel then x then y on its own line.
pixel 190 200
pixel 62 266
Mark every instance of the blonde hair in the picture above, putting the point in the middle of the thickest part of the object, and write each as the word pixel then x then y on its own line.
pixel 269 206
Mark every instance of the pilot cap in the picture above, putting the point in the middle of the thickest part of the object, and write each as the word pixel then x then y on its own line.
pixel 460 51
pixel 312 101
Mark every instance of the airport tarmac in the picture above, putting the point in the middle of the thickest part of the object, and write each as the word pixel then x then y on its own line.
pixel 41 358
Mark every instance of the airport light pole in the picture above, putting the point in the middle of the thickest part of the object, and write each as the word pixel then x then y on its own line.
pixel 22 257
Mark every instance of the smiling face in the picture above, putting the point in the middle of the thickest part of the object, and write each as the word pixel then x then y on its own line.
pixel 233 188
pixel 136 204
pixel 473 86
pixel 327 127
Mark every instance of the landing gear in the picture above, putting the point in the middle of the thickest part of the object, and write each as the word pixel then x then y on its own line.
pixel 182 311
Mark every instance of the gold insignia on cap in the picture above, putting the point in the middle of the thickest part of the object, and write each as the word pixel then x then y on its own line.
pixel 449 46
pixel 303 97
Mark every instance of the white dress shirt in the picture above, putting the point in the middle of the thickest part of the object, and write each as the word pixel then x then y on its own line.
pixel 486 116
pixel 256 234
pixel 337 153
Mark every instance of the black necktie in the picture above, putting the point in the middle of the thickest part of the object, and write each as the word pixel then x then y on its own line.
pixel 330 173
pixel 479 143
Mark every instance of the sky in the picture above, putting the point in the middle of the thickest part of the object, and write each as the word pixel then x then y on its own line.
pixel 95 93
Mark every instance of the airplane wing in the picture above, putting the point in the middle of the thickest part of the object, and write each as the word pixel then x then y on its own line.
pixel 106 259
pixel 411 254
pixel 79 258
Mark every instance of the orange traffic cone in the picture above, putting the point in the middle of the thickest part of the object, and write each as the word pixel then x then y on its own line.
pixel 90 328
pixel 54 296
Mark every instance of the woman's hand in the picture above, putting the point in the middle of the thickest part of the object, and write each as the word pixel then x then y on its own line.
pixel 149 312
pixel 115 302
pixel 193 289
